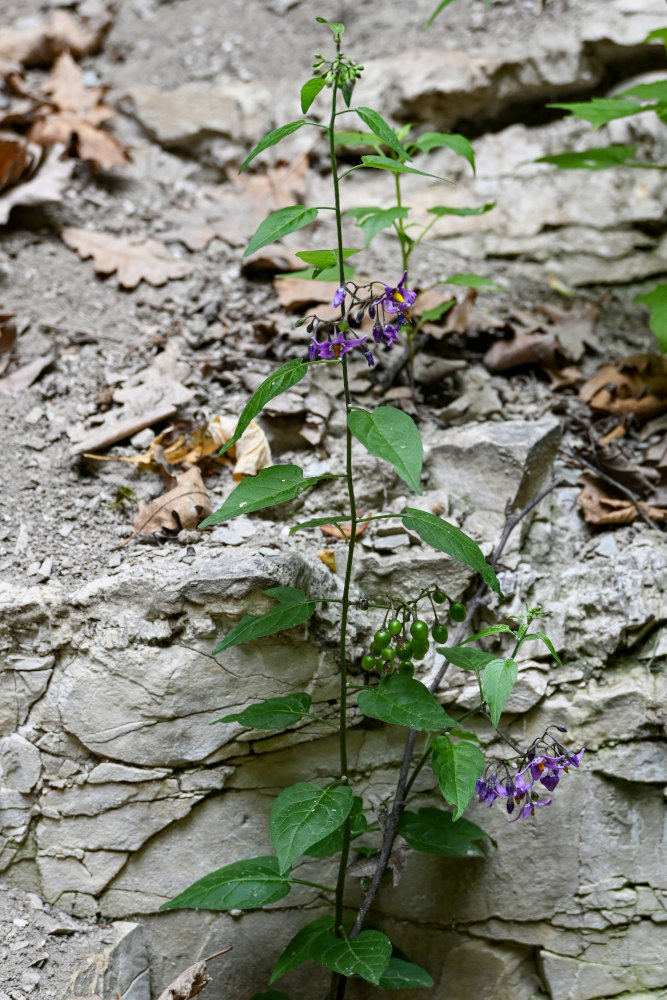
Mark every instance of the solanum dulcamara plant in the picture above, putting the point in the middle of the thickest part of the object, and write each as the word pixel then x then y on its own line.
pixel 327 819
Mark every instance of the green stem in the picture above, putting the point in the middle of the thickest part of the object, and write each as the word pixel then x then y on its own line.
pixel 315 885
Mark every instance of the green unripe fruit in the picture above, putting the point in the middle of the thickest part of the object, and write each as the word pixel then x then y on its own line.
pixel 439 597
pixel 367 662
pixel 404 652
pixel 419 630
pixel 394 626
pixel 387 653
pixel 374 649
pixel 382 639
pixel 439 633
pixel 457 611
pixel 418 653
pixel 406 668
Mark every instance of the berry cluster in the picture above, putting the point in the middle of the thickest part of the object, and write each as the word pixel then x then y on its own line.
pixel 405 641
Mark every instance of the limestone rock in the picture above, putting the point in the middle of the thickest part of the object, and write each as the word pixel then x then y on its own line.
pixel 122 968
pixel 20 763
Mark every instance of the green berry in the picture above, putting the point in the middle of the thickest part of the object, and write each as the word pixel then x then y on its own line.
pixel 404 652
pixel 367 662
pixel 387 653
pixel 419 630
pixel 439 633
pixel 407 668
pixel 457 611
pixel 439 597
pixel 418 653
pixel 382 639
pixel 374 649
pixel 394 626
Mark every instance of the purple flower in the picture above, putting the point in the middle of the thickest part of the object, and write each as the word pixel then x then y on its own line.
pixel 529 810
pixel 575 758
pixel 339 297
pixel 369 357
pixel 398 298
pixel 333 348
pixel 377 331
pixel 518 789
pixel 390 334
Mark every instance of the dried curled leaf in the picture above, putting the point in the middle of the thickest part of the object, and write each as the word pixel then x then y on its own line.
pixel 134 258
pixel 190 983
pixel 637 385
pixel 184 506
pixel 44 182
pixel 252 450
pixel 599 507
pixel 39 44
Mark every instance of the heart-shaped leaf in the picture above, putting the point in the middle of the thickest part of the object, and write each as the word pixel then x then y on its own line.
pixel 366 955
pixel 243 885
pixel 402 975
pixel 390 434
pixel 458 766
pixel 434 831
pixel 405 702
pixel 498 680
pixel 303 814
pixel 334 841
pixel 299 948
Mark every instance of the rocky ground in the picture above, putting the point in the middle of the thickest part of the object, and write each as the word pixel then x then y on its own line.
pixel 90 605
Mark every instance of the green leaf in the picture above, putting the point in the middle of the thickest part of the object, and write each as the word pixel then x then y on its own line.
pixel 448 538
pixel 352 139
pixel 280 223
pixel 404 701
pixel 323 259
pixel 271 139
pixel 390 434
pixel 333 843
pixel 660 33
pixel 335 26
pixel 474 281
pixel 315 522
pixel 597 158
pixel 299 948
pixel 438 312
pixel 601 110
pixel 547 642
pixel 441 6
pixel 292 610
pixel 371 219
pixel 498 680
pixel 312 274
pixel 274 713
pixel 440 210
pixel 656 300
pixel 276 484
pixel 366 955
pixel 434 831
pixel 386 163
pixel 303 814
pixel 243 885
pixel 282 379
pixel 655 91
pixel 458 143
pixel 466 657
pixel 491 630
pixel 458 766
pixel 310 90
pixel 378 125
pixel 402 975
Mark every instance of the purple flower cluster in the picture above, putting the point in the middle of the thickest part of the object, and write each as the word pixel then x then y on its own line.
pixel 542 765
pixel 396 301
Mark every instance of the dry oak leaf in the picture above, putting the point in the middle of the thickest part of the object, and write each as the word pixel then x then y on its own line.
pixel 46 181
pixel 252 451
pixel 636 385
pixel 14 159
pixel 599 508
pixel 183 506
pixel 134 258
pixel 39 44
pixel 74 115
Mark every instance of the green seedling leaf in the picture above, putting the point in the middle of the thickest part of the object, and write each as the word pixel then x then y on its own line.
pixel 458 766
pixel 491 630
pixel 334 841
pixel 390 434
pixel 378 125
pixel 280 223
pixel 441 6
pixel 274 485
pixel 404 701
pixel 601 110
pixel 547 642
pixel 655 91
pixel 598 158
pixel 448 538
pixel 274 713
pixel 299 948
pixel 293 610
pixel 435 314
pixel 458 143
pixel 335 26
pixel 243 885
pixel 352 139
pixel 303 814
pixel 474 281
pixel 656 300
pixel 386 163
pixel 322 260
pixel 440 210
pixel 466 657
pixel 498 680
pixel 372 220
pixel 402 975
pixel 282 379
pixel 366 955
pixel 434 831
pixel 272 138
pixel 310 90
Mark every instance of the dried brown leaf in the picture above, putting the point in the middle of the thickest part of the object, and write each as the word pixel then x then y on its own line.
pixel 296 293
pixel 39 44
pixel 46 184
pixel 344 530
pixel 7 339
pixel 457 320
pixel 574 326
pixel 14 159
pixel 328 557
pixel 25 376
pixel 190 983
pixel 134 258
pixel 637 385
pixel 184 506
pixel 599 507
pixel 526 349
